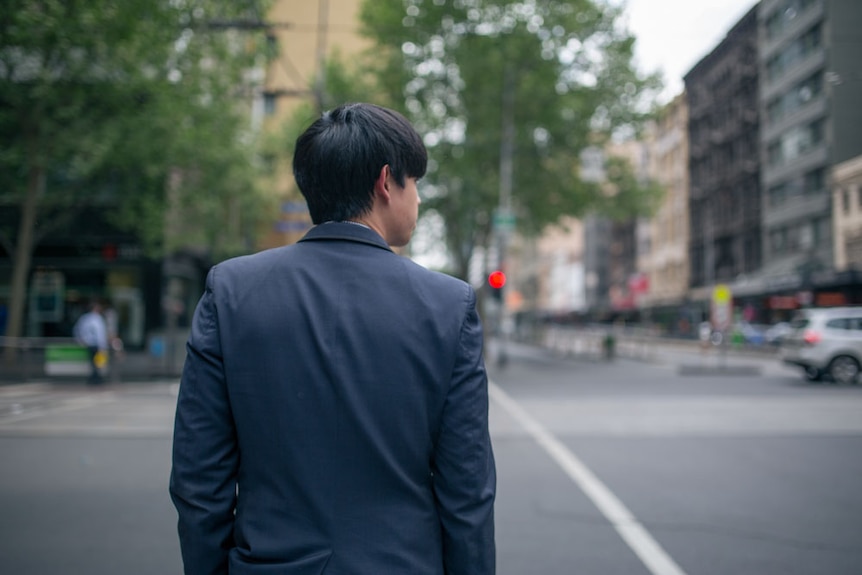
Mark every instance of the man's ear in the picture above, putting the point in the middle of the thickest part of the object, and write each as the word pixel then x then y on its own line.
pixel 381 184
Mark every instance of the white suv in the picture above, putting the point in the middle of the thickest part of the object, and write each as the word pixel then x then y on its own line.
pixel 826 341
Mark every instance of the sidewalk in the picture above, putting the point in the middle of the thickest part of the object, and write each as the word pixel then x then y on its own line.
pixel 135 366
pixel 687 356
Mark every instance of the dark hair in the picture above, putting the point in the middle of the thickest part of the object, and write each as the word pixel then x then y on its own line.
pixel 339 157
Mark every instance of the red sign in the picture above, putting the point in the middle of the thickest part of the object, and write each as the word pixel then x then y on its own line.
pixel 782 302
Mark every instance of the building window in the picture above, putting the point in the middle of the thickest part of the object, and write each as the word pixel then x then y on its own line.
pixel 269 103
pixel 810 184
pixel 794 52
pixel 853 249
pixel 795 142
pixel 845 200
pixel 800 237
pixel 777 194
pixel 778 240
pixel 814 182
pixel 785 15
pixel 795 98
pixel 822 230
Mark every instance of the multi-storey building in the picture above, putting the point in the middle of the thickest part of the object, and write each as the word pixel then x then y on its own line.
pixel 302 35
pixel 724 204
pixel 846 181
pixel 628 239
pixel 809 103
pixel 95 259
pixel 557 270
pixel 597 233
pixel 665 259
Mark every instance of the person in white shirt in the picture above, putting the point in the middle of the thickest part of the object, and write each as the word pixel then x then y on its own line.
pixel 91 331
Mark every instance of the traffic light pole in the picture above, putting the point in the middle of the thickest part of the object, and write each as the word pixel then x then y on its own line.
pixel 507 155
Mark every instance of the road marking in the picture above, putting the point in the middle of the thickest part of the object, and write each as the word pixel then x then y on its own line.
pixel 23 389
pixel 626 524
pixel 70 404
pixel 67 431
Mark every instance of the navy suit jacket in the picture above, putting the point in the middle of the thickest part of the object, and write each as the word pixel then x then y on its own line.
pixel 333 417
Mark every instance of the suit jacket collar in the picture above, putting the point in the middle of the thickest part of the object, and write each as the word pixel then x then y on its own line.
pixel 345 231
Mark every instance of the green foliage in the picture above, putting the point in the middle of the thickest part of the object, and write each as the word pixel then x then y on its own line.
pixel 566 65
pixel 135 107
pixel 350 82
pixel 343 83
pixel 107 99
pixel 624 195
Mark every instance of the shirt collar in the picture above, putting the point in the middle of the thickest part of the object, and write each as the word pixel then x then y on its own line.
pixel 350 231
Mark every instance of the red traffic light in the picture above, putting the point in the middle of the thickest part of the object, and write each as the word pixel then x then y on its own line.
pixel 497 279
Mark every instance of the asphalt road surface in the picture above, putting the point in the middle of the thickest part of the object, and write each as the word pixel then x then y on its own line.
pixel 623 467
pixel 630 468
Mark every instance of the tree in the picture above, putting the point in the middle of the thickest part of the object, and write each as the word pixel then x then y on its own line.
pixel 343 83
pixel 133 107
pixel 507 94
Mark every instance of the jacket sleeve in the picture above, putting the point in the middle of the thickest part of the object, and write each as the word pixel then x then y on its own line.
pixel 205 454
pixel 464 469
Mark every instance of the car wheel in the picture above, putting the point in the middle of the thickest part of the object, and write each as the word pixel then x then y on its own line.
pixel 844 369
pixel 813 374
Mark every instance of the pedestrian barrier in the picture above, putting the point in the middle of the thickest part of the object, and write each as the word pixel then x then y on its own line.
pixel 33 358
pixel 67 359
pixel 28 358
pixel 597 344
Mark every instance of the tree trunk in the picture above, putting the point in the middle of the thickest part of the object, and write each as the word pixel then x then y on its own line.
pixel 23 258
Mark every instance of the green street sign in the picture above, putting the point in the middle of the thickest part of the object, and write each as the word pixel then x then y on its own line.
pixel 504 221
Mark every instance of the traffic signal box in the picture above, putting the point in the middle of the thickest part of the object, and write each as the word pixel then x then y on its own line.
pixel 496 281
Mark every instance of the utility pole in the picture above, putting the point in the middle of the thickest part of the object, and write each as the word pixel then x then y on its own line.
pixel 320 80
pixel 505 217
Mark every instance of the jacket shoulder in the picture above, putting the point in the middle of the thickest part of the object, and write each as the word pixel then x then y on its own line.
pixel 251 263
pixel 438 282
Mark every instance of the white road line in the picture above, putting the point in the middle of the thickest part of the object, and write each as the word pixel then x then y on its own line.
pixel 22 389
pixel 71 404
pixel 626 524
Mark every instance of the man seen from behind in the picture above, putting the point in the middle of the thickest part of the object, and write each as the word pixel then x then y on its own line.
pixel 333 411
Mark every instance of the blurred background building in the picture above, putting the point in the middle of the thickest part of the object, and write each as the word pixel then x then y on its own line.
pixel 154 298
pixel 724 201
pixel 759 159
pixel 664 260
pixel 303 35
pixel 810 89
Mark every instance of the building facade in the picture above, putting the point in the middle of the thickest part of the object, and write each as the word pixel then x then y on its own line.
pixel 847 214
pixel 155 298
pixel 810 96
pixel 303 34
pixel 665 261
pixel 723 130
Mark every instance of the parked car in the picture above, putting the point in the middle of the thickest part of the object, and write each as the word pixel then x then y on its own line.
pixel 826 341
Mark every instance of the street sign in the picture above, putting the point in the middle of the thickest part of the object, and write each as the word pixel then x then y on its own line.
pixel 504 221
pixel 722 307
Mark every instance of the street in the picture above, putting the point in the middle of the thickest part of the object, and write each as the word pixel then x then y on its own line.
pixel 623 467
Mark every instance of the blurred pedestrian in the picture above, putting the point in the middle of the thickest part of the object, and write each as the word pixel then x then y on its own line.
pixel 91 331
pixel 333 410
pixel 115 343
